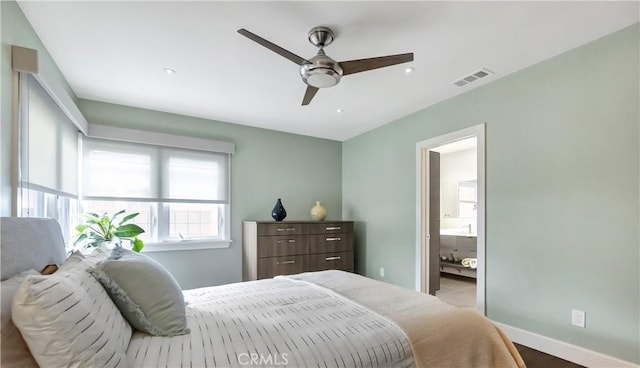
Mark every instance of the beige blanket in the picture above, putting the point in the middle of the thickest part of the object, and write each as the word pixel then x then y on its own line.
pixel 440 335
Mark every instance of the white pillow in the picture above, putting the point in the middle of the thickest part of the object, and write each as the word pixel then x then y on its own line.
pixel 92 258
pixel 68 320
pixel 15 352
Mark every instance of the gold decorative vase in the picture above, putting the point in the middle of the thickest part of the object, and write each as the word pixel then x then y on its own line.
pixel 318 212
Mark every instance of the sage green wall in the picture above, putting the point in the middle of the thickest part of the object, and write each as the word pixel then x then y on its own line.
pixel 562 169
pixel 15 30
pixel 267 165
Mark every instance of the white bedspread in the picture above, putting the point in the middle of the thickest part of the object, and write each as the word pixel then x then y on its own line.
pixel 275 322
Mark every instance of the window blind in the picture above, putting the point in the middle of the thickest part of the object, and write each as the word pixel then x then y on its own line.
pixel 200 176
pixel 49 143
pixel 119 170
pixel 148 173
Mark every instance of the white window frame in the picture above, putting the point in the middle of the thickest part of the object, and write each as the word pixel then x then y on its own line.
pixel 162 211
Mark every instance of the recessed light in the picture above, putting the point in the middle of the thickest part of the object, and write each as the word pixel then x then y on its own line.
pixel 338 110
pixel 409 70
pixel 169 71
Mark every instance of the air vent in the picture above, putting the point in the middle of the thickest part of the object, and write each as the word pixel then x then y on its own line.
pixel 472 77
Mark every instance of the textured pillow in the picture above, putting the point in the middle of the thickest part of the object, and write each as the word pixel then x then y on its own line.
pixel 15 352
pixel 146 293
pixel 93 257
pixel 67 319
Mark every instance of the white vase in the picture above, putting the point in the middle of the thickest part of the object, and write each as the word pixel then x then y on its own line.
pixel 318 212
pixel 110 244
pixel 106 246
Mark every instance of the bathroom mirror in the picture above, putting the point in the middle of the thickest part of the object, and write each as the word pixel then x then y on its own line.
pixel 467 198
pixel 449 199
pixel 459 199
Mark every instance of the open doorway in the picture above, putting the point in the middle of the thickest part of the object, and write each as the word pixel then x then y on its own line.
pixel 450 217
pixel 458 179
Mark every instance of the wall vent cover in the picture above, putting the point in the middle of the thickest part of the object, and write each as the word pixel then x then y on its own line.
pixel 472 77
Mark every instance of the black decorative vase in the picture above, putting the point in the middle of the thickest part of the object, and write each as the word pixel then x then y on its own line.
pixel 278 212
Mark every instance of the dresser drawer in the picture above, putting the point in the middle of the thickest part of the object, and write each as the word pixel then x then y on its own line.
pixel 331 243
pixel 269 267
pixel 331 261
pixel 330 228
pixel 275 246
pixel 281 228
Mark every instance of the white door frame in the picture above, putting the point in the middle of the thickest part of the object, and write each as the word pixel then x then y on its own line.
pixel 422 220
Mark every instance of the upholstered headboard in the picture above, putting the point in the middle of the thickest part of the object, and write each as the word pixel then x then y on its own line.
pixel 29 243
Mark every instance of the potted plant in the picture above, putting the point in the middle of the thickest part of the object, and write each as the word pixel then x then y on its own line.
pixel 97 230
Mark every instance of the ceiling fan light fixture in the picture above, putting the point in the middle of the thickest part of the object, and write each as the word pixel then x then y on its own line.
pixel 321 77
pixel 321 72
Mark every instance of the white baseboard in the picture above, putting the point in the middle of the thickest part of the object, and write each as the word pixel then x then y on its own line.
pixel 561 349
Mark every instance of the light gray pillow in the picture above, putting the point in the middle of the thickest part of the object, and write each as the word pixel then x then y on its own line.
pixel 144 291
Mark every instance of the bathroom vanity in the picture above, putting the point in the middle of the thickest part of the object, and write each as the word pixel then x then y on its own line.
pixel 455 248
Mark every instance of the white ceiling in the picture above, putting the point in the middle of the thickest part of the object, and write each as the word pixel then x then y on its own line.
pixel 116 52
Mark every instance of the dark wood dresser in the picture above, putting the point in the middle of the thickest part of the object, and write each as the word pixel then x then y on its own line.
pixel 283 248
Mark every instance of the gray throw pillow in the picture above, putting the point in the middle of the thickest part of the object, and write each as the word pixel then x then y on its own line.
pixel 144 291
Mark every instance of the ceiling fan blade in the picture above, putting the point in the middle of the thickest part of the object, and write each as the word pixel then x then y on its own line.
pixel 308 95
pixel 362 65
pixel 273 47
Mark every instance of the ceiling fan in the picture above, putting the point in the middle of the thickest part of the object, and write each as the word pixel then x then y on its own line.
pixel 321 71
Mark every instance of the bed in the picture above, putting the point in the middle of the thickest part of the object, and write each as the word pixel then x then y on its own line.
pixel 315 319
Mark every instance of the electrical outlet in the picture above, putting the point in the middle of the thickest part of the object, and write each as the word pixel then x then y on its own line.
pixel 381 272
pixel 578 318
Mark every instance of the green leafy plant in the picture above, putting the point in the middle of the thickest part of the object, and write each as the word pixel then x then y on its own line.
pixel 97 229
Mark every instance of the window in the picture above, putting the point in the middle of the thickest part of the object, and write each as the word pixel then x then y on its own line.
pixel 179 185
pixel 182 195
pixel 193 220
pixel 48 158
pixel 144 209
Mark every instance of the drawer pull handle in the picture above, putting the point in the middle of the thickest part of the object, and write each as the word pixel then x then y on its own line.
pixel 330 228
pixel 333 239
pixel 286 262
pixel 285 241
pixel 286 229
pixel 332 258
